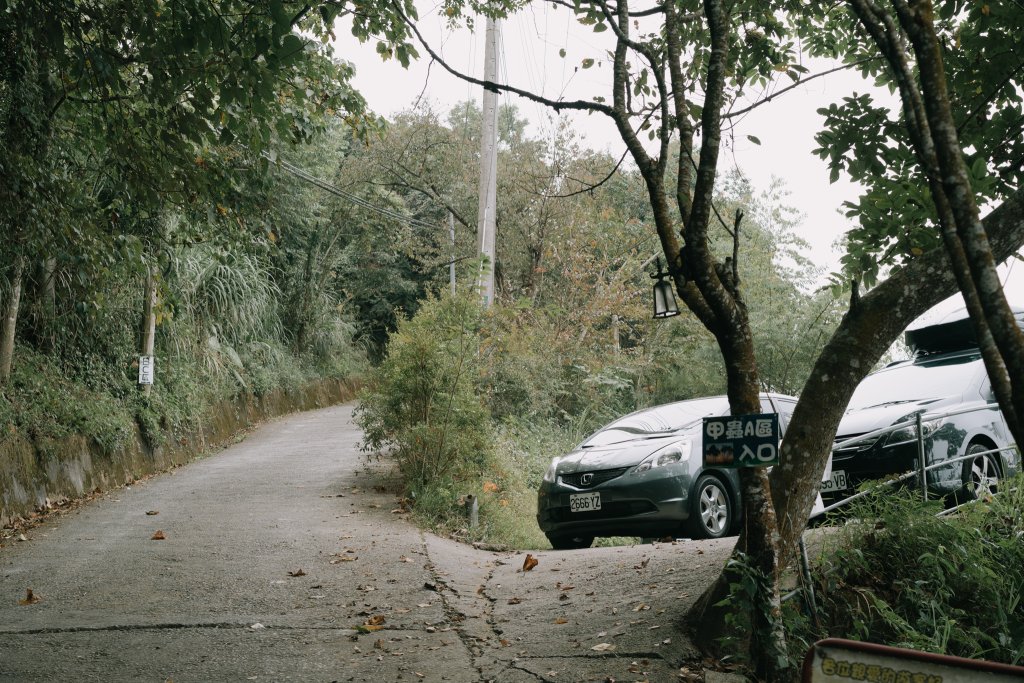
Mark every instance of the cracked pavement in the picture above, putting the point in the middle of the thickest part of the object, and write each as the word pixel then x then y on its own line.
pixel 285 559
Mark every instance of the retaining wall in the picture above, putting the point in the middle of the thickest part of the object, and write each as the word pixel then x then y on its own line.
pixel 36 476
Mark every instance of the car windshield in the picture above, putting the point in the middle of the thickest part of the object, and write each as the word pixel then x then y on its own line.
pixel 916 381
pixel 659 420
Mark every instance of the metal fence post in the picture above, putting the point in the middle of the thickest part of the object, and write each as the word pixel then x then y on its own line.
pixel 920 458
pixel 805 567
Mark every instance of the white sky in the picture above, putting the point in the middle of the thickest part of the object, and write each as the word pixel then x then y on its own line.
pixel 529 58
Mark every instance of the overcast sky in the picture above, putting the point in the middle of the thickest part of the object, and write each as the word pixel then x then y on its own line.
pixel 529 58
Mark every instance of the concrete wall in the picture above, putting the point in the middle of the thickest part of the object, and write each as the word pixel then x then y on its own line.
pixel 36 476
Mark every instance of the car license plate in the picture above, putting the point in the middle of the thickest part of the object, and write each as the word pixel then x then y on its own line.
pixel 836 483
pixel 584 502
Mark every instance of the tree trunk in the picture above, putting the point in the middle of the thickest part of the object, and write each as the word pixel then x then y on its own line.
pixel 963 231
pixel 149 321
pixel 11 321
pixel 49 304
pixel 864 334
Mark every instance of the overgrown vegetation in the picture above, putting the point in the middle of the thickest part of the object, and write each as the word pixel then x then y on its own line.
pixel 478 402
pixel 220 335
pixel 897 574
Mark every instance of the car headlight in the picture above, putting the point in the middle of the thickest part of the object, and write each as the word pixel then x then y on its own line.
pixel 909 433
pixel 552 472
pixel 677 452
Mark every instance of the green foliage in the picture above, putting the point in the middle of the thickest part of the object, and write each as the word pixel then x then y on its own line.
pixel 899 575
pixel 44 405
pixel 750 611
pixel 868 140
pixel 421 401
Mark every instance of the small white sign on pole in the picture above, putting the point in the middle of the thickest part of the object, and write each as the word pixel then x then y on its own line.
pixel 147 369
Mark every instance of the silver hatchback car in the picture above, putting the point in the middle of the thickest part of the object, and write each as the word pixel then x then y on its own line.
pixel 642 475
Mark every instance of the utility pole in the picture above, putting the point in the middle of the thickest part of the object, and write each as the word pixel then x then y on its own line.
pixel 488 166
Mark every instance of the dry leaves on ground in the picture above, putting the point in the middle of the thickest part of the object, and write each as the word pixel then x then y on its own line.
pixel 296 573
pixel 158 536
pixel 30 598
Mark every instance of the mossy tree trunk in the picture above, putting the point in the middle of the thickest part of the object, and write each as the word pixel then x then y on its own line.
pixel 10 321
pixel 149 320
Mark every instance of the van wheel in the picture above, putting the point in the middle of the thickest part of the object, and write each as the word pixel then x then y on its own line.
pixel 981 474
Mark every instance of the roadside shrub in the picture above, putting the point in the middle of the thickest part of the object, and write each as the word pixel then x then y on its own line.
pixel 421 402
pixel 954 584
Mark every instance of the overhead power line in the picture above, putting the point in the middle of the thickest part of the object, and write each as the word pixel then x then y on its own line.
pixel 338 192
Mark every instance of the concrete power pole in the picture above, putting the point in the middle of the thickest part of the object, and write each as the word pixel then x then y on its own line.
pixel 488 166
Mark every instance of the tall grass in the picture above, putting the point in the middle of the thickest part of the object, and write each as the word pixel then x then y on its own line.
pixel 902 576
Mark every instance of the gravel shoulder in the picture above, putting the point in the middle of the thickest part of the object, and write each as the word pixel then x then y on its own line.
pixel 284 558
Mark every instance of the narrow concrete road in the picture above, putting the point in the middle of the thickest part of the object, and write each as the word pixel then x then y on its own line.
pixel 283 559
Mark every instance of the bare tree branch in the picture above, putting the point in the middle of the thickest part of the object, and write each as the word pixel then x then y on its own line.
pixel 557 105
pixel 802 81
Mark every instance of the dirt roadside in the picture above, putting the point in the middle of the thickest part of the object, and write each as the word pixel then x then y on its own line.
pixel 282 560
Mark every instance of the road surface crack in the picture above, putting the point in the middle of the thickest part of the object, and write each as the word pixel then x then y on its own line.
pixel 180 626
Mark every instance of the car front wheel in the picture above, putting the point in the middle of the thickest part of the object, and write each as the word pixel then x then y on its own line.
pixel 981 473
pixel 569 542
pixel 712 512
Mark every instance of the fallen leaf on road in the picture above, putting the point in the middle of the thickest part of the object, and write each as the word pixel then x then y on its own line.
pixel 403 558
pixel 561 620
pixel 257 626
pixel 642 564
pixel 152 512
pixel 641 607
pixel 375 620
pixel 344 558
pixel 504 643
pixel 296 573
pixel 363 628
pixel 21 537
pixel 379 644
pixel 514 601
pixel 603 647
pixel 530 562
pixel 30 598
pixel 430 586
pixel 158 536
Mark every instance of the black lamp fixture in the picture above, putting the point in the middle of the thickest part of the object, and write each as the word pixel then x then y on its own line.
pixel 664 298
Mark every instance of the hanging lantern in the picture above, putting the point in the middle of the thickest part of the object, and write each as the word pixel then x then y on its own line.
pixel 664 298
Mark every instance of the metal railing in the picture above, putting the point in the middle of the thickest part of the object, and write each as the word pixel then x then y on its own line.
pixel 921 471
pixel 922 468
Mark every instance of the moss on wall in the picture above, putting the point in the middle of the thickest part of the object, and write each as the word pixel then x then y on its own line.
pixel 35 476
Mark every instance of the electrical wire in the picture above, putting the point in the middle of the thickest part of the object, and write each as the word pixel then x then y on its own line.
pixel 338 192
